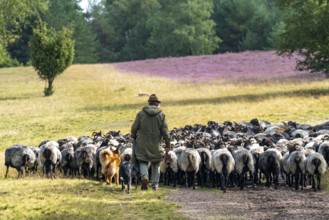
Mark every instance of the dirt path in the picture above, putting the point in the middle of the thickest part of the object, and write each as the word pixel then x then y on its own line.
pixel 258 203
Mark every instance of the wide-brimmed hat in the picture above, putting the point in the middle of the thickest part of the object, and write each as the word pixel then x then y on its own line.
pixel 154 98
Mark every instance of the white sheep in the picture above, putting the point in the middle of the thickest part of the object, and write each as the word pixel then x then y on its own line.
pixel 126 151
pixel 205 165
pixel 50 157
pixel 222 162
pixel 316 165
pixel 256 151
pixel 244 163
pixel 296 162
pixel 169 167
pixel 189 162
pixel 285 168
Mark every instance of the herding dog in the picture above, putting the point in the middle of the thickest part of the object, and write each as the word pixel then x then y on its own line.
pixel 128 172
pixel 125 173
pixel 110 161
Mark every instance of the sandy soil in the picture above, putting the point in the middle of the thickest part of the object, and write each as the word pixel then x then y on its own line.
pixel 251 203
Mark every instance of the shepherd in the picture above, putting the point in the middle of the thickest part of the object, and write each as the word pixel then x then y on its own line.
pixel 148 130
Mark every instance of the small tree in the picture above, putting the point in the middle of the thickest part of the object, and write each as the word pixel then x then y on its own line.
pixel 51 53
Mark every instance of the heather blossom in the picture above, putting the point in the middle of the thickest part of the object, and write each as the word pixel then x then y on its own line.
pixel 248 66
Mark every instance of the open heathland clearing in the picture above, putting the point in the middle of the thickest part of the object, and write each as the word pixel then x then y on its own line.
pixel 193 90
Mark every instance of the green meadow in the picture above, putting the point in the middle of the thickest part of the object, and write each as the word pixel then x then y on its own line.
pixel 99 97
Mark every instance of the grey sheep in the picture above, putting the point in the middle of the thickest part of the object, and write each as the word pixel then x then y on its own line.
pixel 281 145
pixel 296 163
pixel 85 158
pixel 269 164
pixel 19 157
pixel 299 133
pixel 36 151
pixel 244 163
pixel 324 150
pixel 285 168
pixel 222 162
pixel 316 166
pixel 189 162
pixel 49 157
pixel 67 162
pixel 256 151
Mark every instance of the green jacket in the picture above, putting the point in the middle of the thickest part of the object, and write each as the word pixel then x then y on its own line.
pixel 148 129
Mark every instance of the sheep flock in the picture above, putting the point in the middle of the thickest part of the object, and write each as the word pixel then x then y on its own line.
pixel 215 155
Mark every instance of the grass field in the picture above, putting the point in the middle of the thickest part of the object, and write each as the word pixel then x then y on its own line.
pixel 91 98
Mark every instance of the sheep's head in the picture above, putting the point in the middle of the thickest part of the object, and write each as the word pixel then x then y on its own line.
pixel 293 146
pixel 190 144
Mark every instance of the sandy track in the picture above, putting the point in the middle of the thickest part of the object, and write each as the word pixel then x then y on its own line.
pixel 258 203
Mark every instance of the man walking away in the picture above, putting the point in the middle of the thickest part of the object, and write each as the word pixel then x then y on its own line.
pixel 148 129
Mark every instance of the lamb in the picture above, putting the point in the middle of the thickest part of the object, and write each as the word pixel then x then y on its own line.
pixel 269 164
pixel 296 163
pixel 169 168
pixel 244 163
pixel 223 163
pixel 19 156
pixel 324 150
pixel 316 165
pixel 205 165
pixel 189 162
pixel 50 157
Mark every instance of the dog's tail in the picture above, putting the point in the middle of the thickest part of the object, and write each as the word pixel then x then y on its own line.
pixel 104 156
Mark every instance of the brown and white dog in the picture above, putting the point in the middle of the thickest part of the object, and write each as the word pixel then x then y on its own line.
pixel 110 161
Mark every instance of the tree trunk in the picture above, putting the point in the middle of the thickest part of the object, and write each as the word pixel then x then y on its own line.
pixel 49 90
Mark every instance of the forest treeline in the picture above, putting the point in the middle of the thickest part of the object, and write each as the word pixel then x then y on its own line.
pixel 124 30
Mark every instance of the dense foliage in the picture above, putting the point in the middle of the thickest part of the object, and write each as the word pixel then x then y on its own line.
pixel 246 25
pixel 124 30
pixel 51 53
pixel 13 15
pixel 307 33
pixel 63 13
pixel 120 30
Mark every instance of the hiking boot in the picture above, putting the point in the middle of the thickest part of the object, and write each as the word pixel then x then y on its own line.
pixel 145 182
pixel 155 188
